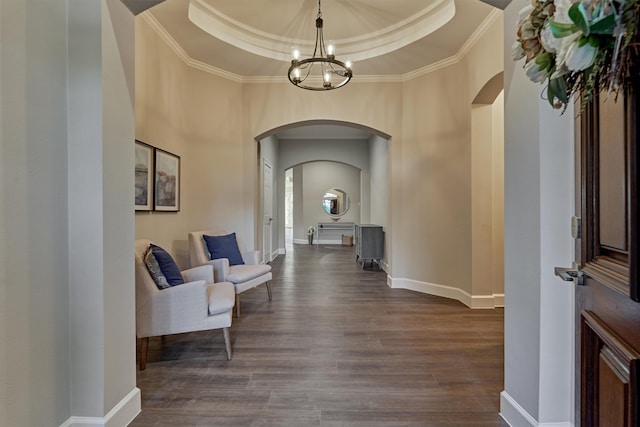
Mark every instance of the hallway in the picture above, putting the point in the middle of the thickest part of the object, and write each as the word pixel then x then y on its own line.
pixel 335 347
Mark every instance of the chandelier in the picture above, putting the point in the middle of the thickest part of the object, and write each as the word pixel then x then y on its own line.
pixel 322 71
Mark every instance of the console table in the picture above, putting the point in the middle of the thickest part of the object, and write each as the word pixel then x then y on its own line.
pixel 334 226
pixel 369 243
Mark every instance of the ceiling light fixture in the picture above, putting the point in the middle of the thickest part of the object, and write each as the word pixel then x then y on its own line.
pixel 317 72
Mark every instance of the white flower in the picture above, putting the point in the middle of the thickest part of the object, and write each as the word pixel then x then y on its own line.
pixel 561 13
pixel 548 40
pixel 523 14
pixel 580 57
pixel 535 72
pixel 517 52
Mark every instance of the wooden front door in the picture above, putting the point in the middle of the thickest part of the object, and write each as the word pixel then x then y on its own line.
pixel 608 323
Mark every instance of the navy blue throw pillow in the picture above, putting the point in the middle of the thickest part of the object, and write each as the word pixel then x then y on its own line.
pixel 224 247
pixel 167 265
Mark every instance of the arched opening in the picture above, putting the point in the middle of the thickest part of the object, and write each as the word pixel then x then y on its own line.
pixel 487 192
pixel 333 154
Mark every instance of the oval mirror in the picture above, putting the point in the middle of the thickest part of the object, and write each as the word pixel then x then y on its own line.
pixel 335 202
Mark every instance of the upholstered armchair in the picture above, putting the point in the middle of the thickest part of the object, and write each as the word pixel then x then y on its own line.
pixel 197 304
pixel 243 270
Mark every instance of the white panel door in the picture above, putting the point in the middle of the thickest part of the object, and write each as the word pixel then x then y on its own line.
pixel 267 232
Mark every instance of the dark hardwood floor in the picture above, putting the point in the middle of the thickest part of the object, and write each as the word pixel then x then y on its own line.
pixel 335 347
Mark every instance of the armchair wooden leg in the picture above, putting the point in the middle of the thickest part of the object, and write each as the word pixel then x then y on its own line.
pixel 268 290
pixel 144 347
pixel 237 305
pixel 227 342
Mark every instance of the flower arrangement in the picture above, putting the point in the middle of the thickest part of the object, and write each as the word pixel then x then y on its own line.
pixel 578 46
pixel 311 231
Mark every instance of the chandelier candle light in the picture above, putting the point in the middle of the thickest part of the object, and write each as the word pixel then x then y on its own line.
pixel 316 73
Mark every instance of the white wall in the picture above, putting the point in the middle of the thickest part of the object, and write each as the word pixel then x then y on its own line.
pixel 34 301
pixel 68 350
pixel 118 292
pixel 538 207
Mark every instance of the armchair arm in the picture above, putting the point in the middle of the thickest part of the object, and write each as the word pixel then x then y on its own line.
pixel 202 272
pixel 220 269
pixel 251 257
pixel 173 310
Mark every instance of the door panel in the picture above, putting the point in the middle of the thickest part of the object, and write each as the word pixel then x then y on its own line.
pixel 609 326
pixel 613 183
pixel 614 380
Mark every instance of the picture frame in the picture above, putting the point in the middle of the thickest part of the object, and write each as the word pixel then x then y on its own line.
pixel 166 181
pixel 144 167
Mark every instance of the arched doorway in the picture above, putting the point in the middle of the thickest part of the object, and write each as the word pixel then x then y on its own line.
pixel 358 146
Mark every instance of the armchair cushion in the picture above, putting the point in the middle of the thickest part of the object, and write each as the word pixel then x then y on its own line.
pixel 167 265
pixel 224 247
pixel 244 273
pixel 154 269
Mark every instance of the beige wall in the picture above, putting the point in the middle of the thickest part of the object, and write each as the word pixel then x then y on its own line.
pixel 435 181
pixel 199 116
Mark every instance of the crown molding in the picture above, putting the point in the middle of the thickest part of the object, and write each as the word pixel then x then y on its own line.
pixel 493 16
pixel 153 23
pixel 164 35
pixel 204 15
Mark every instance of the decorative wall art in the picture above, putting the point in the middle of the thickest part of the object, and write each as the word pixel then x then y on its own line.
pixel 143 176
pixel 167 181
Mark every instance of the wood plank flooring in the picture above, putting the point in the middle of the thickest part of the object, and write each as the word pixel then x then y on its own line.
pixel 335 347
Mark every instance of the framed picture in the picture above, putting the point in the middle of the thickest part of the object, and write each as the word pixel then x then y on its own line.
pixel 167 181
pixel 143 176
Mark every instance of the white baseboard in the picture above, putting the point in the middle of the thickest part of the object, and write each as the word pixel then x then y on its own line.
pixel 472 301
pixel 121 415
pixel 517 416
pixel 282 251
pixel 513 413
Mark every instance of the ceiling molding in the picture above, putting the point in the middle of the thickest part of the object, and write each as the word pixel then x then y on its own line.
pixel 493 16
pixel 164 35
pixel 153 23
pixel 364 46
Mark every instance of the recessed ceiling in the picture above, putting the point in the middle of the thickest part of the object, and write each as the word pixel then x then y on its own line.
pixel 386 40
pixel 383 38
